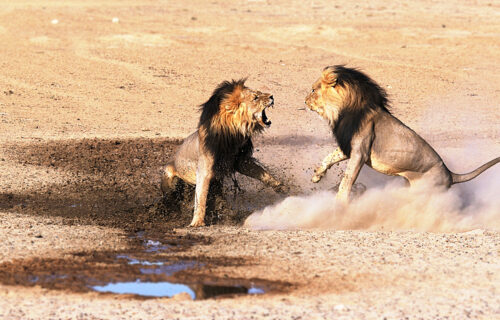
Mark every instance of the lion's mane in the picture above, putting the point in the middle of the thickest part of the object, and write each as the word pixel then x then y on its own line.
pixel 225 127
pixel 362 96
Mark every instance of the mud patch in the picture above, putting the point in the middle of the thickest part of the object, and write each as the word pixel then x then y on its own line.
pixel 222 205
pixel 113 183
pixel 150 268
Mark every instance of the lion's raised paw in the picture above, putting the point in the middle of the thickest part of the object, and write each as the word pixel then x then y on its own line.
pixel 316 178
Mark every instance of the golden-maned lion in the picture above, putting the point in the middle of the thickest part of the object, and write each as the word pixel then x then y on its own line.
pixel 222 144
pixel 367 133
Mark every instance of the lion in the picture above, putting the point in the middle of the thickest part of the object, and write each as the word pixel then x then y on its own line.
pixel 357 110
pixel 222 145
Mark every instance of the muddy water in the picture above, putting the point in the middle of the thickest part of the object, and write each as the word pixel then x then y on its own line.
pixel 149 269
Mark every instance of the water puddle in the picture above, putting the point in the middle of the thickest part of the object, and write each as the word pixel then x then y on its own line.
pixel 149 270
pixel 147 289
pixel 169 289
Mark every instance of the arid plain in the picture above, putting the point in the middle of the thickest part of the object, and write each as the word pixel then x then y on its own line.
pixel 95 94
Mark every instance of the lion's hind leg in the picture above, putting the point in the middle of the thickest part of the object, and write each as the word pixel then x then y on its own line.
pixel 169 180
pixel 174 189
pixel 178 195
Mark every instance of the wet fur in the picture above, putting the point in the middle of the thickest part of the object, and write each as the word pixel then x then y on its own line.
pixel 221 145
pixel 356 108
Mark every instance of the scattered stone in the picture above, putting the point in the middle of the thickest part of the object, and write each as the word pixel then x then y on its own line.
pixel 183 296
pixel 340 307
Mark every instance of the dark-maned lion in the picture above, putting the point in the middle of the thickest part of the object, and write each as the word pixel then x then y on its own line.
pixel 222 144
pixel 367 133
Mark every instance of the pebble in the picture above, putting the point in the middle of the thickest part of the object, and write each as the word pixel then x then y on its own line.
pixel 183 296
pixel 340 307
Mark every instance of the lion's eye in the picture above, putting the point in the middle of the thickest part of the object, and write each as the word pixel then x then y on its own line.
pixel 255 98
pixel 312 91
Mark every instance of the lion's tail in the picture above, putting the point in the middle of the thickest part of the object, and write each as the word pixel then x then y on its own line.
pixel 459 178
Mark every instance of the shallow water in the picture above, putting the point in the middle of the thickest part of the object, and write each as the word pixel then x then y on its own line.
pixel 148 269
pixel 166 288
pixel 169 289
pixel 148 289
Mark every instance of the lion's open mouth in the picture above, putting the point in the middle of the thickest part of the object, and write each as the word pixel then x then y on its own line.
pixel 264 118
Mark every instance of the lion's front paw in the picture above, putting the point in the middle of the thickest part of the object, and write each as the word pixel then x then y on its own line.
pixel 197 223
pixel 342 198
pixel 316 178
pixel 318 175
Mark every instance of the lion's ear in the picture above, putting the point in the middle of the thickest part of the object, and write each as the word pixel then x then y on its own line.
pixel 329 77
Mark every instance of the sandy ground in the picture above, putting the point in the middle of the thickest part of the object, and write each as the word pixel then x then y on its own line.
pixel 93 92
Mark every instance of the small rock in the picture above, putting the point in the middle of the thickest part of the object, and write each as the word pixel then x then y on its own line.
pixel 183 296
pixel 340 307
pixel 115 20
pixel 54 21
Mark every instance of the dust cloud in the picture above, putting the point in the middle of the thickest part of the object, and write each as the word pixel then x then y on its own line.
pixel 464 207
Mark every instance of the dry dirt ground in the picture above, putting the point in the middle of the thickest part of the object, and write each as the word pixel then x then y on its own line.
pixel 95 94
